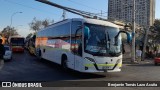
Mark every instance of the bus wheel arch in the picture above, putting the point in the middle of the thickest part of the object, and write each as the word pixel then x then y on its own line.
pixel 64 62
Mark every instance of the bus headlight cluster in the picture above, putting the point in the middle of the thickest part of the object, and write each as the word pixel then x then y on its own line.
pixel 118 61
pixel 90 59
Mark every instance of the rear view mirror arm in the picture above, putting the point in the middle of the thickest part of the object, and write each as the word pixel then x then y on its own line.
pixel 119 34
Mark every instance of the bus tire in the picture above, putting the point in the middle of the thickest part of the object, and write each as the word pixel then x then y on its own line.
pixel 64 62
pixel 39 55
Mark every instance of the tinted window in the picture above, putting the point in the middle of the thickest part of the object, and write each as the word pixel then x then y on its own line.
pixel 17 41
pixel 75 26
pixel 55 31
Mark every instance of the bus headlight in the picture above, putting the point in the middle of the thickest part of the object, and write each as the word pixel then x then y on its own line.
pixel 118 61
pixel 90 59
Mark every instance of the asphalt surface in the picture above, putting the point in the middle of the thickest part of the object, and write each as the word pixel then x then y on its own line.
pixel 25 67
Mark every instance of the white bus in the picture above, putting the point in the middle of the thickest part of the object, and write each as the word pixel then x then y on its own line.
pixel 84 45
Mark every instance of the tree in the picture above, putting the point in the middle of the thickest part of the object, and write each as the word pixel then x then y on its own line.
pixel 157 25
pixel 36 25
pixel 47 22
pixel 9 31
pixel 157 29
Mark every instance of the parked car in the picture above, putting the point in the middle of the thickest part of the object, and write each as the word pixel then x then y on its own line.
pixel 157 59
pixel 8 53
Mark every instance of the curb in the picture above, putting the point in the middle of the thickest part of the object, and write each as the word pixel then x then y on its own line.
pixel 128 61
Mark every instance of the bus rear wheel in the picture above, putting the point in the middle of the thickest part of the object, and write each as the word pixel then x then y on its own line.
pixel 64 64
pixel 39 55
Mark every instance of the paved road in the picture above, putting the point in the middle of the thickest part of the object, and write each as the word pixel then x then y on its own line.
pixel 25 67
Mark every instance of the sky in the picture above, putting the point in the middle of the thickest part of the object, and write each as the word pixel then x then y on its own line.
pixel 32 8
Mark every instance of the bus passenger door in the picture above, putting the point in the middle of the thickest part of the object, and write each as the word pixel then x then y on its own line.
pixel 76 43
pixel 78 49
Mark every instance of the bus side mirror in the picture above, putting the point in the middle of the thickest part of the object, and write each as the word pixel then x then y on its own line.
pixel 129 37
pixel 86 32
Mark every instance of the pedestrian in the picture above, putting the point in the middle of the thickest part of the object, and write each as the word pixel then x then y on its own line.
pixel 2 52
pixel 139 55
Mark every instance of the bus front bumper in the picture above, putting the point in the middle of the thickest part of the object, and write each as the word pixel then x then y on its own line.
pixel 103 67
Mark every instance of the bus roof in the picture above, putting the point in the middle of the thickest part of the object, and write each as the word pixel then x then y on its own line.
pixel 96 21
pixel 84 20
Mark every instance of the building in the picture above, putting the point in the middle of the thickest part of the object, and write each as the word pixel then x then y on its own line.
pixel 123 10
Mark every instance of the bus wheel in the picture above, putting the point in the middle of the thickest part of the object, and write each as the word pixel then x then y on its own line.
pixel 64 63
pixel 39 55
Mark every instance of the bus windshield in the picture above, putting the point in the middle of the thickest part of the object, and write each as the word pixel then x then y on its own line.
pixel 17 41
pixel 101 41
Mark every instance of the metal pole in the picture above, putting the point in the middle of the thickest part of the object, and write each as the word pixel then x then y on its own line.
pixel 11 21
pixel 145 43
pixel 133 33
pixel 64 15
pixel 101 13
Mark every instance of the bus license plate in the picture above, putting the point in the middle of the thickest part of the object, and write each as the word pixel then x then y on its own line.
pixel 105 67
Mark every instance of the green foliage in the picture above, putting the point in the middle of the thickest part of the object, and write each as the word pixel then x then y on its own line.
pixel 157 29
pixel 157 25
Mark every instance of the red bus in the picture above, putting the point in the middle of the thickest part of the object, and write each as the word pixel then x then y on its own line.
pixel 17 43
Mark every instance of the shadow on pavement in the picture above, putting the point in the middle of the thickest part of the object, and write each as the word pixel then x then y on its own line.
pixel 70 72
pixel 142 65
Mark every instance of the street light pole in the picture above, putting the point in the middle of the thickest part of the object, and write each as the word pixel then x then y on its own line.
pixel 145 42
pixel 11 21
pixel 133 33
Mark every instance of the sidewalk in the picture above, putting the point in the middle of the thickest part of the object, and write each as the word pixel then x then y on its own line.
pixel 146 61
